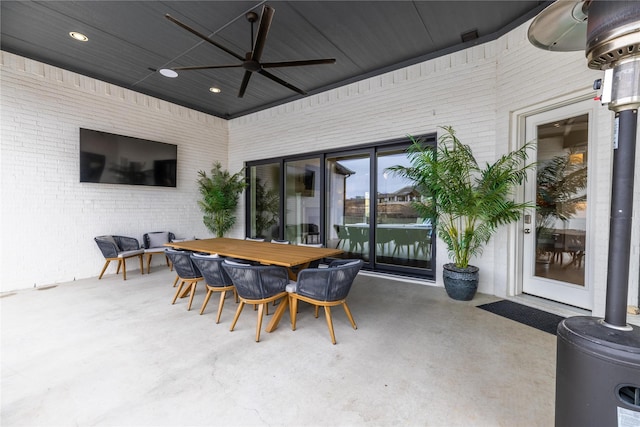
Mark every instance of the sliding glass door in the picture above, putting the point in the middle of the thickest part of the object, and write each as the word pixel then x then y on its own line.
pixel 302 201
pixel 348 204
pixel 346 200
pixel 263 218
pixel 402 237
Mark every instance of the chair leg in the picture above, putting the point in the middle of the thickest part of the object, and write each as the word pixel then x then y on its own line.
pixel 186 289
pixel 175 282
pixel 104 268
pixel 141 265
pixel 206 300
pixel 223 294
pixel 346 310
pixel 259 323
pixel 293 311
pixel 316 308
pixel 327 312
pixel 149 263
pixel 124 268
pixel 191 294
pixel 119 265
pixel 235 318
pixel 177 292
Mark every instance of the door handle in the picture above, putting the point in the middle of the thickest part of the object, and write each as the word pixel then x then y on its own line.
pixel 527 231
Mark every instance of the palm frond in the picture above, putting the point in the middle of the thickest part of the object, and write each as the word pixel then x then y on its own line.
pixel 220 196
pixel 466 202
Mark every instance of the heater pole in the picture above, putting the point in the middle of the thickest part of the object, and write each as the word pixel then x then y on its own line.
pixel 598 360
pixel 620 221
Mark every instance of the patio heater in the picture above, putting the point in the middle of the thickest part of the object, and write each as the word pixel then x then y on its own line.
pixel 598 360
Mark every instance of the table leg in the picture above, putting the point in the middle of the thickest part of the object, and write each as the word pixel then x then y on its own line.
pixel 293 275
pixel 273 323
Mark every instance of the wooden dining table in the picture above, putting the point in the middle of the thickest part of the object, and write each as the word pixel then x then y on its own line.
pixel 288 256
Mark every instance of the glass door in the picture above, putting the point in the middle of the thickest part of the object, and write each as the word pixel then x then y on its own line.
pixel 402 238
pixel 264 201
pixel 348 204
pixel 302 203
pixel 346 200
pixel 556 238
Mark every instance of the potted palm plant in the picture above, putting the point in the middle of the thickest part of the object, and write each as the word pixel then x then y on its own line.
pixel 220 195
pixel 466 201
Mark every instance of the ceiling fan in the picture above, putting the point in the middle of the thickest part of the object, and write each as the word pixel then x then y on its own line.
pixel 251 60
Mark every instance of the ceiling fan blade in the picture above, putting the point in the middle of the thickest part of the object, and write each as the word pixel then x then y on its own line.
pixel 297 63
pixel 245 82
pixel 206 67
pixel 263 30
pixel 282 82
pixel 203 37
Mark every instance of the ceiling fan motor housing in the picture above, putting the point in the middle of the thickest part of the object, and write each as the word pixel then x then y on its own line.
pixel 613 45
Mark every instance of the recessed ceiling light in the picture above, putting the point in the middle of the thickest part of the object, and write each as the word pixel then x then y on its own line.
pixel 167 72
pixel 78 36
pixel 215 89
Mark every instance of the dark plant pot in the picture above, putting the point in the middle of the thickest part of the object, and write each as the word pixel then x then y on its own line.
pixel 460 283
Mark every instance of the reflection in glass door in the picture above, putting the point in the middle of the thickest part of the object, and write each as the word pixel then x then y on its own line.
pixel 561 200
pixel 402 238
pixel 264 201
pixel 556 237
pixel 348 204
pixel 302 204
pixel 346 200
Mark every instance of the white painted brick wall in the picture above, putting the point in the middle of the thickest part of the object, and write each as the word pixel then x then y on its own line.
pixel 49 218
pixel 476 91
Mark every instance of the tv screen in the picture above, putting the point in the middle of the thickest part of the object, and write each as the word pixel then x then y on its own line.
pixel 116 159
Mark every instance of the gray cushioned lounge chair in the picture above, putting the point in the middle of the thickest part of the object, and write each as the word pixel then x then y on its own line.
pixel 215 277
pixel 154 244
pixel 119 248
pixel 188 274
pixel 326 287
pixel 259 285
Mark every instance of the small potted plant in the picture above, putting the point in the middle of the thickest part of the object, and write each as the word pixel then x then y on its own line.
pixel 466 201
pixel 220 195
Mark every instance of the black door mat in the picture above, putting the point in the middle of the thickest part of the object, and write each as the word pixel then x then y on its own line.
pixel 533 317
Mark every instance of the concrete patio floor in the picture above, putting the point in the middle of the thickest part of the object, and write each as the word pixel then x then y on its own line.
pixel 114 352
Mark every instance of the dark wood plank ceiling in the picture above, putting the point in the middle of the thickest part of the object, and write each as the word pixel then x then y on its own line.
pixel 128 40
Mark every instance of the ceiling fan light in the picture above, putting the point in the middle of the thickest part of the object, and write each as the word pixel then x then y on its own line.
pixel 214 89
pixel 78 36
pixel 167 72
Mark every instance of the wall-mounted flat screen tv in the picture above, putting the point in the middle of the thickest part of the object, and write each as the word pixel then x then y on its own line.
pixel 116 159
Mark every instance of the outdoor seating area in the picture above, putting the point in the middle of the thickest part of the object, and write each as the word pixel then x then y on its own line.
pixel 450 183
pixel 121 248
pixel 120 357
pixel 260 273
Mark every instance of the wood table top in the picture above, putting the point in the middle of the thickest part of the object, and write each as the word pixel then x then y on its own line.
pixel 263 252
